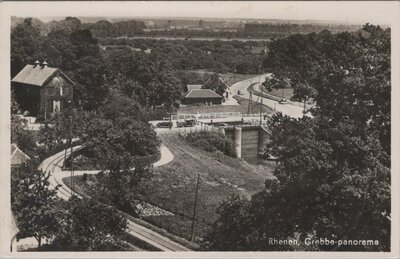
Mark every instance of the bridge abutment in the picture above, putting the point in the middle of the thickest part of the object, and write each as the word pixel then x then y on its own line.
pixel 237 139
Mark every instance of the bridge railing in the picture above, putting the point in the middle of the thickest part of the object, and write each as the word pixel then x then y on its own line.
pixel 214 115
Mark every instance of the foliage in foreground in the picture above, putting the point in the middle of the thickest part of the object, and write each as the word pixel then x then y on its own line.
pixel 87 225
pixel 212 141
pixel 123 150
pixel 33 202
pixel 333 171
pixel 74 225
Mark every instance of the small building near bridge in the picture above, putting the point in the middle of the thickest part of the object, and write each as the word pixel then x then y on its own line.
pixel 42 90
pixel 201 97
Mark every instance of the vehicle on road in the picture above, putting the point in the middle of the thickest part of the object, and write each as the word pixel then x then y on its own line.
pixel 164 124
pixel 239 92
pixel 283 101
pixel 180 124
pixel 190 123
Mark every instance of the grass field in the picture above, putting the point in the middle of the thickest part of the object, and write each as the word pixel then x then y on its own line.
pixel 230 77
pixel 255 107
pixel 172 186
pixel 242 107
pixel 287 93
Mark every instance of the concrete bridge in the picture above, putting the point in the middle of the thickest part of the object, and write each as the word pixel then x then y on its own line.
pixel 249 140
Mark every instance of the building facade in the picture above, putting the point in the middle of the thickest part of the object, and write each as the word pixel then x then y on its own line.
pixel 41 90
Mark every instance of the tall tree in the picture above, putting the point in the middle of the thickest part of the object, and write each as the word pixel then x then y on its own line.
pixel 25 39
pixel 33 202
pixel 123 149
pixel 216 84
pixel 333 169
pixel 86 225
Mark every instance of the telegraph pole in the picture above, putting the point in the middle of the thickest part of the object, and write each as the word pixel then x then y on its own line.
pixel 250 102
pixel 261 106
pixel 45 104
pixel 72 162
pixel 115 109
pixel 195 207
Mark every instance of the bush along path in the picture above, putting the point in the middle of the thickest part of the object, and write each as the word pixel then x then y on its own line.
pixel 53 165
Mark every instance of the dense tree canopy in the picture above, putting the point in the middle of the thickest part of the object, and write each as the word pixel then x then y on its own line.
pixel 33 202
pixel 348 75
pixel 86 225
pixel 333 169
pixel 25 39
pixel 216 84
pixel 124 149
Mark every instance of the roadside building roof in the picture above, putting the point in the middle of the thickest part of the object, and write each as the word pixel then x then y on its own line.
pixel 17 156
pixel 194 87
pixel 37 75
pixel 258 50
pixel 220 79
pixel 202 93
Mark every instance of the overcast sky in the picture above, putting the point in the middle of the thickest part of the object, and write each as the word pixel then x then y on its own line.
pixel 349 11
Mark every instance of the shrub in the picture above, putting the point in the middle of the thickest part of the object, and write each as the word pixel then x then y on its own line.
pixel 211 142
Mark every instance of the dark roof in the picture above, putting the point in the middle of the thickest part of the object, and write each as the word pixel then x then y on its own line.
pixel 202 93
pixel 37 75
pixel 17 156
pixel 194 87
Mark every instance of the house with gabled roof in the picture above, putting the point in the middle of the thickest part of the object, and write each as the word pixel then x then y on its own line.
pixel 201 97
pixel 194 87
pixel 42 90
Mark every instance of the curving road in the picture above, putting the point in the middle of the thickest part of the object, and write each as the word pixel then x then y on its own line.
pixel 295 111
pixel 54 164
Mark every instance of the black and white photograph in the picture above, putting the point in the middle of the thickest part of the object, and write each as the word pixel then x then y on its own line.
pixel 250 128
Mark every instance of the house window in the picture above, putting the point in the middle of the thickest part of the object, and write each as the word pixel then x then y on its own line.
pixel 56 106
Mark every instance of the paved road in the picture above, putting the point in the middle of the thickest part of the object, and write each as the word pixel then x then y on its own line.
pixel 286 109
pixel 53 165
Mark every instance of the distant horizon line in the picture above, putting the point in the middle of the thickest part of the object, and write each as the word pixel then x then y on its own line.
pixel 289 20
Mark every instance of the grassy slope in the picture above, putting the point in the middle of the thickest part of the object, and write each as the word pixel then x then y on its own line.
pixel 242 107
pixel 173 185
pixel 255 108
pixel 287 93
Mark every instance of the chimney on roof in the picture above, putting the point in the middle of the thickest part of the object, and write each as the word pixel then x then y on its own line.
pixel 44 64
pixel 37 63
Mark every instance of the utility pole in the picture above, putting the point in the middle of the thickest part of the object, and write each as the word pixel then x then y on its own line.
pixel 259 85
pixel 72 158
pixel 45 104
pixel 250 102
pixel 65 153
pixel 195 207
pixel 261 106
pixel 115 109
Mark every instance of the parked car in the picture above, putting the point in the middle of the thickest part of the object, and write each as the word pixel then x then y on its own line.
pixel 190 123
pixel 283 101
pixel 164 124
pixel 180 124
